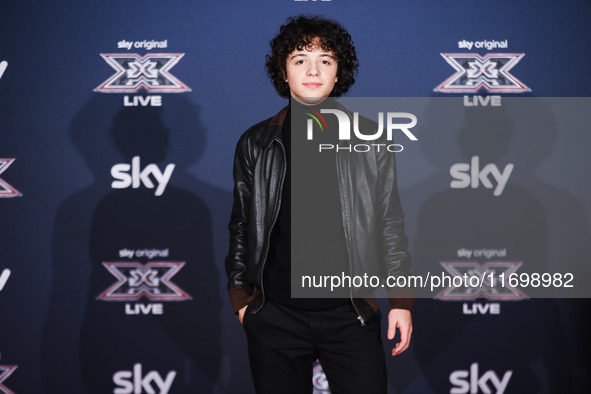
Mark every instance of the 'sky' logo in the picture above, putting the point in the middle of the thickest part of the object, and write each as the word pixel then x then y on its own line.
pixel 491 290
pixel 5 372
pixel 490 72
pixel 150 72
pixel 6 190
pixel 151 280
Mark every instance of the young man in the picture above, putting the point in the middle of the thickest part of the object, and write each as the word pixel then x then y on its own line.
pixel 312 59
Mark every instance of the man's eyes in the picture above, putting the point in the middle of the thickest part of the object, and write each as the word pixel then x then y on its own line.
pixel 325 62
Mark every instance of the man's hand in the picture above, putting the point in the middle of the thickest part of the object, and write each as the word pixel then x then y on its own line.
pixel 241 313
pixel 401 319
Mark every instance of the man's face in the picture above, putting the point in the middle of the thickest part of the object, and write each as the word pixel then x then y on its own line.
pixel 311 73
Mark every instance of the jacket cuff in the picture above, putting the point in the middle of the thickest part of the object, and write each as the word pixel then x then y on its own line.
pixel 239 296
pixel 401 298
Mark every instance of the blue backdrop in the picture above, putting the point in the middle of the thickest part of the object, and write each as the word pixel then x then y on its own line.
pixel 106 286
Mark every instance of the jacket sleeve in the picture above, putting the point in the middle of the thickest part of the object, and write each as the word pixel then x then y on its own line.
pixel 236 260
pixel 395 242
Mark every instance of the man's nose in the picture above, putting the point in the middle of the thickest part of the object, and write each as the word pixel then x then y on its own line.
pixel 313 69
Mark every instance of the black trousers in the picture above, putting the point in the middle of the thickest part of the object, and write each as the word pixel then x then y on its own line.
pixel 284 342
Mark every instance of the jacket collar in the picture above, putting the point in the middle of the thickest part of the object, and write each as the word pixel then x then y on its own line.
pixel 275 126
pixel 273 129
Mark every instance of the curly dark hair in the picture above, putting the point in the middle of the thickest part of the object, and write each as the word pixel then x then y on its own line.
pixel 300 32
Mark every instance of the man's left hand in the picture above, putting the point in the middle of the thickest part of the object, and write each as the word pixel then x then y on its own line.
pixel 401 319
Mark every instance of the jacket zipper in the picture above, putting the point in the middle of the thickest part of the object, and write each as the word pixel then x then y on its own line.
pixel 277 205
pixel 275 214
pixel 359 315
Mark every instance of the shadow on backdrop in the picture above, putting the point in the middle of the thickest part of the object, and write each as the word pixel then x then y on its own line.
pixel 70 261
pixel 446 338
pixel 95 338
pixel 569 239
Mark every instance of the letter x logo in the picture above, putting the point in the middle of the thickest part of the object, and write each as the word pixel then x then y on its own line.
pixel 5 372
pixel 6 190
pixel 151 280
pixel 491 290
pixel 150 72
pixel 490 72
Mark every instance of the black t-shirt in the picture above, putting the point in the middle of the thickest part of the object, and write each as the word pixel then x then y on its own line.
pixel 323 255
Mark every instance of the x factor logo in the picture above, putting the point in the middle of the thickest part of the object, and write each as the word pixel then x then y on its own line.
pixel 151 72
pixel 152 280
pixel 5 372
pixel 490 72
pixel 487 277
pixel 319 381
pixel 6 190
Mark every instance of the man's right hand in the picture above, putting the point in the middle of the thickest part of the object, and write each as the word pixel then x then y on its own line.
pixel 241 313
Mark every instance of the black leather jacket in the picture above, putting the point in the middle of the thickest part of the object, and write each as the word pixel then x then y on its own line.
pixel 259 172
